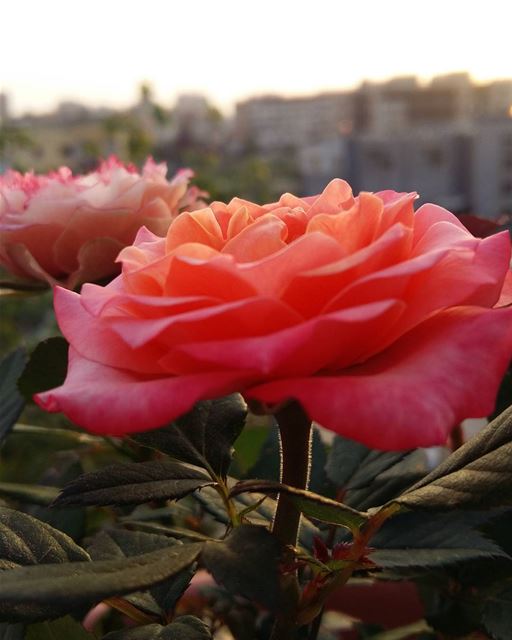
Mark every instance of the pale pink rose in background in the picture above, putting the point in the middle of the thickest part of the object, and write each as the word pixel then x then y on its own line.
pixel 69 229
pixel 379 320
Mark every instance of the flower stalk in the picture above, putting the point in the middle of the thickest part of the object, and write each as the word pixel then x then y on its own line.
pixel 295 436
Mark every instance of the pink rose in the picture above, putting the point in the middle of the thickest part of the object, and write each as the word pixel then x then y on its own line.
pixel 60 227
pixel 380 321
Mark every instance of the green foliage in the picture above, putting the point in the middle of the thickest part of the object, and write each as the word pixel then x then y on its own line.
pixel 476 476
pixel 418 540
pixel 310 504
pixel 25 319
pixel 203 437
pixel 72 585
pixel 61 629
pixel 27 541
pixel 246 563
pixel 367 477
pixel 46 367
pixel 11 402
pixel 117 544
pixel 28 493
pixel 183 628
pixel 134 484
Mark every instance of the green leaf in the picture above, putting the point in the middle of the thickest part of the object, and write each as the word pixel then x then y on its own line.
pixel 183 628
pixel 27 541
pixel 160 529
pixel 247 563
pixel 46 368
pixel 497 614
pixel 134 483
pixel 119 543
pixel 62 629
pixel 388 483
pixel 310 504
pixel 11 401
pixel 369 477
pixel 420 540
pixel 33 493
pixel 66 587
pixel 476 476
pixel 204 436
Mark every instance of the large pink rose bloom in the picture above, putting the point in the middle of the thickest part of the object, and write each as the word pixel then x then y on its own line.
pixel 69 229
pixel 380 321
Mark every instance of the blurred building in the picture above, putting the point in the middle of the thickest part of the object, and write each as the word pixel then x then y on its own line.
pixel 448 139
pixel 491 177
pixel 273 123
pixel 433 160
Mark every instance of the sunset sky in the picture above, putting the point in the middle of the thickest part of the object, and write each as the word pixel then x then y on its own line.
pixel 99 51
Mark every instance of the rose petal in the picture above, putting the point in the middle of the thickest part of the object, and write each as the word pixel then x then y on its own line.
pixel 248 317
pixel 339 339
pixel 311 290
pixel 114 402
pixel 413 394
pixel 506 292
pixel 93 338
pixel 263 237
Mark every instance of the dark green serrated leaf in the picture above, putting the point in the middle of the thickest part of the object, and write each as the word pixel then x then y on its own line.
pixel 120 543
pixel 11 401
pixel 246 563
pixel 62 629
pixel 65 587
pixel 33 493
pixel 344 458
pixel 204 436
pixel 416 539
pixel 27 541
pixel 497 614
pixel 310 504
pixel 134 483
pixel 183 628
pixel 369 477
pixel 388 483
pixel 476 476
pixel 46 368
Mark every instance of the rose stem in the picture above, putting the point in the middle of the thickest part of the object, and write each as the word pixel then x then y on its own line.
pixel 295 433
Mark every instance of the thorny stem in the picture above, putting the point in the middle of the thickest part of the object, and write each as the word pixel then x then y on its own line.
pixel 295 433
pixel 357 550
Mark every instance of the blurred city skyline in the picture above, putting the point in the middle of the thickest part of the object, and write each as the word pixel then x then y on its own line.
pixel 99 53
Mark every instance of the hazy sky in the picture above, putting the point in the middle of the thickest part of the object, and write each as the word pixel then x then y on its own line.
pixel 99 51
